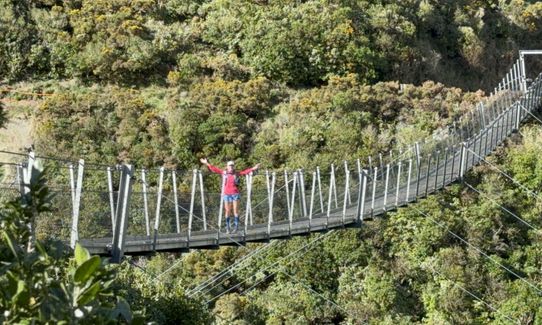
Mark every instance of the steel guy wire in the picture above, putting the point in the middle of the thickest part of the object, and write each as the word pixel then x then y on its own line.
pixel 272 272
pixel 276 262
pixel 530 113
pixel 208 288
pixel 230 266
pixel 502 207
pixel 474 296
pixel 314 291
pixel 202 286
pixel 506 175
pixel 479 250
pixel 211 226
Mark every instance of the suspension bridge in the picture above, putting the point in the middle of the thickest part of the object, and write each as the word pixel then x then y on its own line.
pixel 121 210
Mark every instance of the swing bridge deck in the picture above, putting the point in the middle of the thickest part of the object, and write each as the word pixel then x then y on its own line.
pixel 371 192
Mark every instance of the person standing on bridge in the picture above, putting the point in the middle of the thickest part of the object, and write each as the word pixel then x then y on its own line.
pixel 230 192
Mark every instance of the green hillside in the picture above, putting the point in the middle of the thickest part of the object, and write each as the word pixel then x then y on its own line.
pixel 288 84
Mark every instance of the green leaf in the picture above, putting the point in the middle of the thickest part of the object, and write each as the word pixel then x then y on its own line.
pixel 85 270
pixel 89 294
pixel 81 254
pixel 22 296
pixel 122 309
pixel 41 249
pixel 13 281
pixel 15 249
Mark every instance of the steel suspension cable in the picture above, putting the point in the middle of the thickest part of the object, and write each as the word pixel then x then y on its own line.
pixel 476 297
pixel 479 250
pixel 314 291
pixel 204 285
pixel 502 207
pixel 278 261
pixel 232 266
pixel 506 175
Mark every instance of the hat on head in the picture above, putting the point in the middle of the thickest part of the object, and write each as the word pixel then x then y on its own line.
pixel 230 163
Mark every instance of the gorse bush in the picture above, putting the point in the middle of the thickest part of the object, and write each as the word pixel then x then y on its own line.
pixel 300 43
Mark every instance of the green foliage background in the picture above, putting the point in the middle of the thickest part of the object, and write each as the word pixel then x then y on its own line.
pixel 287 84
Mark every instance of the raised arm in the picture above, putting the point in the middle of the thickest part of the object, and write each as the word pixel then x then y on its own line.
pixel 248 170
pixel 211 167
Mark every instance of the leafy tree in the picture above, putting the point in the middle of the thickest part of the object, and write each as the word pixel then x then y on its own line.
pixel 160 298
pixel 291 302
pixel 38 284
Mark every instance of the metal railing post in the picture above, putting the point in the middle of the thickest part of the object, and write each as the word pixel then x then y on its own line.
pixel 361 195
pixel 121 218
pixel 271 195
pixel 399 164
pixel 374 192
pixel 111 195
pixel 192 200
pixel 77 203
pixel 202 193
pixel 311 206
pixel 292 207
pixel 158 203
pixel 386 186
pixel 145 202
pixel 407 197
pixel 462 167
pixel 176 200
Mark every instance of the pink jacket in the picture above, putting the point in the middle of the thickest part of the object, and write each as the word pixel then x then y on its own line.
pixel 230 188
